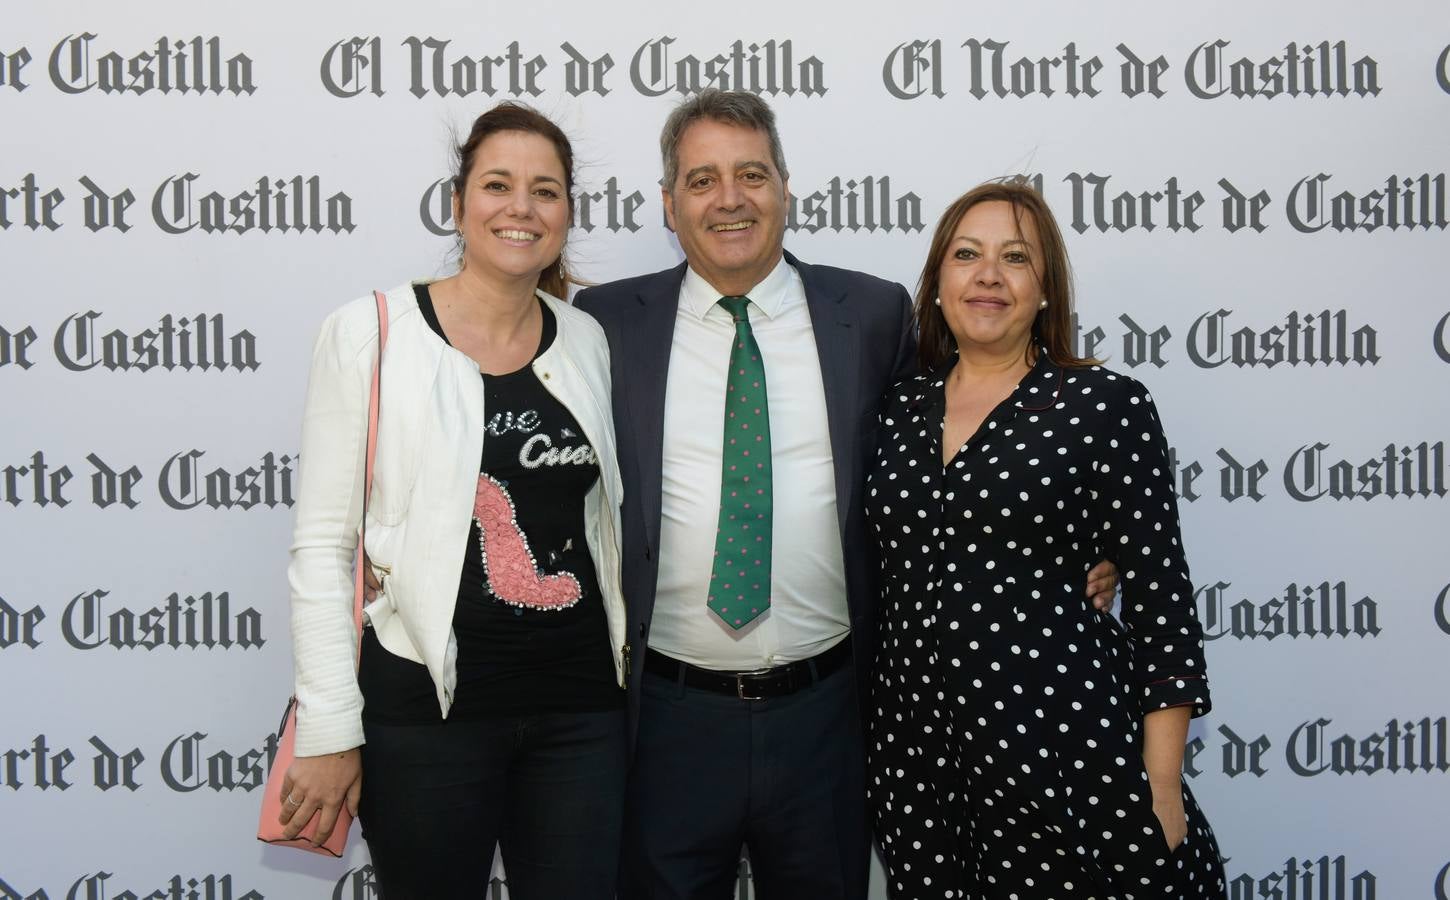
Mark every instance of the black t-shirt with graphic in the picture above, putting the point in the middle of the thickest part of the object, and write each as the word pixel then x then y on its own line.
pixel 529 620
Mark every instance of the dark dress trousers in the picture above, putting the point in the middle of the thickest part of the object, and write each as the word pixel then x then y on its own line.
pixel 865 343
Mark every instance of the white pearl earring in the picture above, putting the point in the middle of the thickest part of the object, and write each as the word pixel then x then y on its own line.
pixel 1043 304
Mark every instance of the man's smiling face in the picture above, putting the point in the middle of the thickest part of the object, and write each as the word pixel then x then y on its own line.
pixel 727 206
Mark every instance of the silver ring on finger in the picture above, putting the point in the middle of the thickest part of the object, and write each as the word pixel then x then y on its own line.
pixel 291 801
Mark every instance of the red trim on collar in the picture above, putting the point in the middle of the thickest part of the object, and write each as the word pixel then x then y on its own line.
pixel 1042 364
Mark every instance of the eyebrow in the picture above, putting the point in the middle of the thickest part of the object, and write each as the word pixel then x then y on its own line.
pixel 507 174
pixel 711 168
pixel 698 170
pixel 972 240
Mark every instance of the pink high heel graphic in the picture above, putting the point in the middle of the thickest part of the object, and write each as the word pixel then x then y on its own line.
pixel 508 563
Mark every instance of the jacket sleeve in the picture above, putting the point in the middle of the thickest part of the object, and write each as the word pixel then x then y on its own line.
pixel 589 300
pixel 906 364
pixel 1141 536
pixel 329 512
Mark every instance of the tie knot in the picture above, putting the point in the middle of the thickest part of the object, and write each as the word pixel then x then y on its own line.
pixel 735 306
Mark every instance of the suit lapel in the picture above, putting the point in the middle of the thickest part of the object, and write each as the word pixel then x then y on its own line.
pixel 837 339
pixel 649 338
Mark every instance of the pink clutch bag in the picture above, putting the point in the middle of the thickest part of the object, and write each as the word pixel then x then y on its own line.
pixel 268 828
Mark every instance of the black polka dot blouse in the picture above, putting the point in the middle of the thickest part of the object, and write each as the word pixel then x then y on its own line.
pixel 1006 738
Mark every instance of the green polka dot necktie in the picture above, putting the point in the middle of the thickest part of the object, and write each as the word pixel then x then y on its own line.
pixel 740 577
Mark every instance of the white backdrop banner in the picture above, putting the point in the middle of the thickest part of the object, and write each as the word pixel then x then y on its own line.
pixel 1255 199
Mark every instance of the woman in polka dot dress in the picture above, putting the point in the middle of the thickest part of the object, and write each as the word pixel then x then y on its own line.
pixel 1023 744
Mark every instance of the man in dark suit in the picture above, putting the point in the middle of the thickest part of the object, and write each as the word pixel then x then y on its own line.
pixel 772 760
pixel 750 579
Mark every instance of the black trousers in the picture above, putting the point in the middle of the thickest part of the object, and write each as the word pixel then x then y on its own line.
pixel 548 789
pixel 784 778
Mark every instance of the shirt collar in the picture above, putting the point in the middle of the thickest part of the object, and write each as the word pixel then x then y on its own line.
pixel 769 296
pixel 1039 389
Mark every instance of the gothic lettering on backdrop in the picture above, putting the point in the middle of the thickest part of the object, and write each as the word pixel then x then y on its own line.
pixel 1406 202
pixel 12 68
pixel 200 341
pixel 1318 747
pixel 1305 338
pixel 1315 472
pixel 204 621
pixel 34 205
pixel 297 204
pixel 19 627
pixel 91 621
pixel 282 205
pixel 1414 747
pixel 444 67
pixel 1313 204
pixel 1325 69
pixel 1325 610
pixel 15 346
pixel 1322 878
pixel 996 69
pixel 182 482
pixel 769 68
pixel 1441 338
pixel 96 886
pixel 187 763
pixel 196 65
pixel 353 66
pixel 183 485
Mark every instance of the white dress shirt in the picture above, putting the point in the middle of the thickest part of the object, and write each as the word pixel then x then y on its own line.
pixel 808 612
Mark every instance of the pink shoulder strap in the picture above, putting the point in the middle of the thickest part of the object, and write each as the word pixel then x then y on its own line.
pixel 372 451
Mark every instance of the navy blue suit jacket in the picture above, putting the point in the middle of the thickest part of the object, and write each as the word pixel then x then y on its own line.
pixel 866 343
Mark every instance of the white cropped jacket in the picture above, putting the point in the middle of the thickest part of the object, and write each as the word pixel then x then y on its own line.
pixel 430 439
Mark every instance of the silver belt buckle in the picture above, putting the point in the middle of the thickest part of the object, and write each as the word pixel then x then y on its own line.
pixel 740 683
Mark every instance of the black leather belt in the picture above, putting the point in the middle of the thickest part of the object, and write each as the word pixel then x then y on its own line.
pixel 755 684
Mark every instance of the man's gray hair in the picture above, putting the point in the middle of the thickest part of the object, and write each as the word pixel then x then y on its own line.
pixel 733 107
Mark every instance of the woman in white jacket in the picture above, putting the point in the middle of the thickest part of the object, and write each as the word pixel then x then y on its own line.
pixel 488 702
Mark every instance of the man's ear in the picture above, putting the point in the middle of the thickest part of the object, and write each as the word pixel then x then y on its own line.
pixel 668 199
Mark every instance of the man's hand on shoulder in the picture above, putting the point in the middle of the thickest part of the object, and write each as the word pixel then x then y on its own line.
pixel 1102 585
